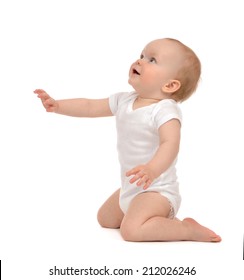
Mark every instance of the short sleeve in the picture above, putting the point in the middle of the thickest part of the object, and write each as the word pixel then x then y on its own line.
pixel 166 110
pixel 113 102
pixel 118 98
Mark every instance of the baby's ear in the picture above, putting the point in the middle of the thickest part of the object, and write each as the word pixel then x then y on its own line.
pixel 171 87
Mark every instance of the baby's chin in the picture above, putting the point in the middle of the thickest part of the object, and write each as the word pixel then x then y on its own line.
pixel 130 82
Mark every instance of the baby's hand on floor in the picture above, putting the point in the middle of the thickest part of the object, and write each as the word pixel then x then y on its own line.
pixel 142 174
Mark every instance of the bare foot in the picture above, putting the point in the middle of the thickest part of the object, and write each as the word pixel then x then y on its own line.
pixel 199 232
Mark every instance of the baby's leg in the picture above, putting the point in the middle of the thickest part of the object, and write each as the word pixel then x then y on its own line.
pixel 110 215
pixel 146 220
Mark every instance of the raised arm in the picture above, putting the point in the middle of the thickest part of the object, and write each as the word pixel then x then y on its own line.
pixel 169 134
pixel 78 107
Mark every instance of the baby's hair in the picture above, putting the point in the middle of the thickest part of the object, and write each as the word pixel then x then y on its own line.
pixel 189 74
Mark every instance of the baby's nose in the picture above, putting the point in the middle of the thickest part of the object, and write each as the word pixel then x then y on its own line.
pixel 139 61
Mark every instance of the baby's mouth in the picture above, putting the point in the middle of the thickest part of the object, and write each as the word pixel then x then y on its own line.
pixel 134 71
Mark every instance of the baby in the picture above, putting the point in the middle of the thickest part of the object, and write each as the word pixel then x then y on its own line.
pixel 148 127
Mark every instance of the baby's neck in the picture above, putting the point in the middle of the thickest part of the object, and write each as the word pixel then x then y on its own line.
pixel 151 100
pixel 142 102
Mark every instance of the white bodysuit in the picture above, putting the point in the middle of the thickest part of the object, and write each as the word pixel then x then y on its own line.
pixel 138 141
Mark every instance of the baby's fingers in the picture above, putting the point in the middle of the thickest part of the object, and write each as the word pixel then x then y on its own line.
pixel 39 90
pixel 138 176
pixel 41 94
pixel 144 181
pixel 147 184
pixel 133 171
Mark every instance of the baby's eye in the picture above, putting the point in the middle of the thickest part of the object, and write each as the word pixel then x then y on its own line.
pixel 141 56
pixel 152 60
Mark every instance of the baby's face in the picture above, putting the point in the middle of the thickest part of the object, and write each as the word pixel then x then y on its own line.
pixel 158 64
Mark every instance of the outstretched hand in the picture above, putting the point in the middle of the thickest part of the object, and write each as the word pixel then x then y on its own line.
pixel 49 103
pixel 143 175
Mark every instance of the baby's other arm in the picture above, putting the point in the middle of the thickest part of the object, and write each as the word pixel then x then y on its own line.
pixel 169 134
pixel 78 107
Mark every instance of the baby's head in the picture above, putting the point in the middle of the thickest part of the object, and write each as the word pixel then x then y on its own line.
pixel 166 69
pixel 188 73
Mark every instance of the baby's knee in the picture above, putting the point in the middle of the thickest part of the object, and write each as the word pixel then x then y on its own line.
pixel 100 218
pixel 129 232
pixel 107 221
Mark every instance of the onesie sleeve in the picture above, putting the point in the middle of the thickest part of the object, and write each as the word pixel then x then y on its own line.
pixel 118 98
pixel 114 102
pixel 165 111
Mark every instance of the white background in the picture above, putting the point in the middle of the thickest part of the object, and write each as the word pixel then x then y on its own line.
pixel 56 171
